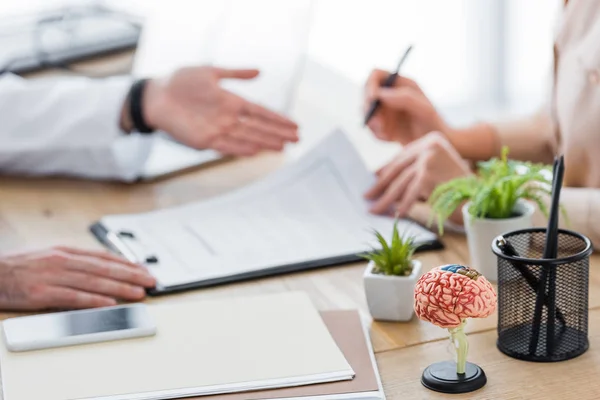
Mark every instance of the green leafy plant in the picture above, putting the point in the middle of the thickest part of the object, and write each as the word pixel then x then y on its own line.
pixel 395 257
pixel 494 190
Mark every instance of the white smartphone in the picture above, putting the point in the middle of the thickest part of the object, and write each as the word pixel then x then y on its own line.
pixel 78 327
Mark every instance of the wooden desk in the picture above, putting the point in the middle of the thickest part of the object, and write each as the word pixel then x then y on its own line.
pixel 38 212
pixel 35 212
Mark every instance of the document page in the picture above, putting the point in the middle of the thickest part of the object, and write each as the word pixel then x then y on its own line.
pixel 310 210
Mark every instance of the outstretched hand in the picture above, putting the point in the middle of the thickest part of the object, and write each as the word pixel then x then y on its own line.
pixel 193 108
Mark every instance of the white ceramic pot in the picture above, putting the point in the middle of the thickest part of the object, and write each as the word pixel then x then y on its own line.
pixel 391 298
pixel 482 231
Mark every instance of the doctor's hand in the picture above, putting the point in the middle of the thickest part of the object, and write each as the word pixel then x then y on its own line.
pixel 405 113
pixel 413 175
pixel 66 278
pixel 192 107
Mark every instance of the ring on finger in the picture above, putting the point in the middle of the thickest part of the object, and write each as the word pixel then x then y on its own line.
pixel 243 117
pixel 241 126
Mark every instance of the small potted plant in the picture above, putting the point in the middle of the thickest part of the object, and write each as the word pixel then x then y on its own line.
pixel 499 198
pixel 391 276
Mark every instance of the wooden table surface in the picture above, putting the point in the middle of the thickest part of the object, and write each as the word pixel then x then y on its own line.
pixel 45 212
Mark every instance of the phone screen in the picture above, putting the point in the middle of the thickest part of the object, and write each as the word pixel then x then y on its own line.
pixel 50 327
pixel 98 321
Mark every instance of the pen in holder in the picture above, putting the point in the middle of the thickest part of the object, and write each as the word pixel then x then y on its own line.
pixel 541 319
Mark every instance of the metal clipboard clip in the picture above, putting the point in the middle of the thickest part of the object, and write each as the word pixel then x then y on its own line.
pixel 118 242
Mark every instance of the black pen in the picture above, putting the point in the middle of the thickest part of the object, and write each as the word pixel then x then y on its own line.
pixel 508 249
pixel 552 239
pixel 389 82
pixel 548 272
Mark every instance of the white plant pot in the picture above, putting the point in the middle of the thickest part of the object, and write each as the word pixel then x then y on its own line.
pixel 391 298
pixel 482 231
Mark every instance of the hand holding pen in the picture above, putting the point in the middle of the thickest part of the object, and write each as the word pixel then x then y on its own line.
pixel 389 82
pixel 396 109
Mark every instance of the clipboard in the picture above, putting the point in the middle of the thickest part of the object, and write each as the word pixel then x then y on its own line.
pixel 120 243
pixel 309 214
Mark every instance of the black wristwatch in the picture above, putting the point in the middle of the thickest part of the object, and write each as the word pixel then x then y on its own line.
pixel 136 111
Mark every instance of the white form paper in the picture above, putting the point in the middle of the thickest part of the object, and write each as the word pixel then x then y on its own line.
pixel 310 210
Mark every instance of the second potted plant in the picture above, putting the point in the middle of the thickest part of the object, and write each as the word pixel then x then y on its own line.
pixel 499 198
pixel 391 276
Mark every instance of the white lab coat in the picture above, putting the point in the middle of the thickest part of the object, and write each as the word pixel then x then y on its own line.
pixel 68 126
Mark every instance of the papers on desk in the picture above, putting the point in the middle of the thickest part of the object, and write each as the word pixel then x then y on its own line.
pixel 168 157
pixel 352 337
pixel 309 214
pixel 201 348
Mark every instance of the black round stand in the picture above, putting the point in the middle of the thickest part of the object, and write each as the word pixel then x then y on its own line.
pixel 442 377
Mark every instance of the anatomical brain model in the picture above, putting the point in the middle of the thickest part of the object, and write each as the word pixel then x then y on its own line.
pixel 446 296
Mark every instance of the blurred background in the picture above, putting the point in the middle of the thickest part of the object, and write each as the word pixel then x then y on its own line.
pixel 477 56
pixel 476 59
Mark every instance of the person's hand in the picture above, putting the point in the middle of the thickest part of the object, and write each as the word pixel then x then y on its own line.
pixel 405 113
pixel 65 278
pixel 413 175
pixel 192 107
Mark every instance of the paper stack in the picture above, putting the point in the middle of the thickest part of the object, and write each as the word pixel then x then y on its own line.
pixel 352 338
pixel 232 347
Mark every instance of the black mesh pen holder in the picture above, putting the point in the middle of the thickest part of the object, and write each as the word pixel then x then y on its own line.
pixel 543 303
